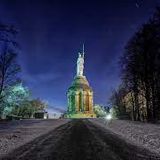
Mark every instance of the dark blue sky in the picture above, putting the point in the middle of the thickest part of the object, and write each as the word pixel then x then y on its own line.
pixel 52 33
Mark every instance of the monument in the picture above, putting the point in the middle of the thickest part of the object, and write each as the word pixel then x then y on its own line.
pixel 80 94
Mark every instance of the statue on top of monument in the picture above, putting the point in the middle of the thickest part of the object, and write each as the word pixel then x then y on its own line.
pixel 80 63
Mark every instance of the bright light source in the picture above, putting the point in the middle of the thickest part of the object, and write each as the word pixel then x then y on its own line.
pixel 108 117
pixel 45 116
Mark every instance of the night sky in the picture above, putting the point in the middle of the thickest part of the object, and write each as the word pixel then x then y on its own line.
pixel 51 34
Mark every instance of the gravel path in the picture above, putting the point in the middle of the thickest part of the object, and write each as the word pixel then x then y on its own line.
pixel 80 140
pixel 14 134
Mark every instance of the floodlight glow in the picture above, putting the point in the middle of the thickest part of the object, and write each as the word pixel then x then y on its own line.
pixel 108 117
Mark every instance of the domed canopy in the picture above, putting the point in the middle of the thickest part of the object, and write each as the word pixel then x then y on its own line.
pixel 80 82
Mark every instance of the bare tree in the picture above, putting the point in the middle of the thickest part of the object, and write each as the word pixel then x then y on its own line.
pixel 8 55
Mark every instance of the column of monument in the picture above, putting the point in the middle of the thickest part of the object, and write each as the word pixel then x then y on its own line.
pixel 90 102
pixel 82 107
pixel 84 101
pixel 77 101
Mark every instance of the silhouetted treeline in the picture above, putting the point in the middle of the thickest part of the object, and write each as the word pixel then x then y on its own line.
pixel 140 66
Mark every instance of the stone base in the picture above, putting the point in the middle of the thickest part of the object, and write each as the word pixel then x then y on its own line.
pixel 81 115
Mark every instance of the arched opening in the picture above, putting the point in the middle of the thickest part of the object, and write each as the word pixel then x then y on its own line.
pixel 72 102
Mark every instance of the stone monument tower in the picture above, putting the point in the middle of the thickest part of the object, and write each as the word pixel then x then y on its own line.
pixel 80 94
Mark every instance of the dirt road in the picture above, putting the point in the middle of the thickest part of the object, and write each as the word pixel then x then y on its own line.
pixel 80 140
